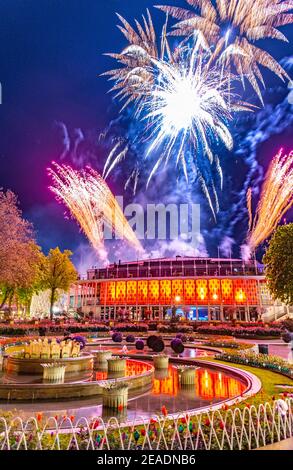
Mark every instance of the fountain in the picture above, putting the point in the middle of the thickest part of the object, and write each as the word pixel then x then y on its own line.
pixel 101 356
pixel 29 361
pixel 116 364
pixel 53 372
pixel 115 395
pixel 161 361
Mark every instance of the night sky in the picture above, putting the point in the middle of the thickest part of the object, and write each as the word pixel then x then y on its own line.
pixel 51 54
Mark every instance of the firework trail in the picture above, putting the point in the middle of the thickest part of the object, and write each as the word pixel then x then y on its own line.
pixel 249 208
pixel 275 200
pixel 231 27
pixel 185 101
pixel 92 204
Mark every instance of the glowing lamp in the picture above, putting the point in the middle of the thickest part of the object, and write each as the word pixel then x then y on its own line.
pixel 177 298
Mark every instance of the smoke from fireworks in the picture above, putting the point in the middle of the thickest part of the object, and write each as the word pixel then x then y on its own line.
pixel 186 101
pixel 92 204
pixel 275 200
pixel 231 27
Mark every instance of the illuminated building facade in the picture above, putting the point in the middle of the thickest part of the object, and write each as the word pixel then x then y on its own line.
pixel 194 288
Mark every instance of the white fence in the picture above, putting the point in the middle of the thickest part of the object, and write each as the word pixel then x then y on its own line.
pixel 232 429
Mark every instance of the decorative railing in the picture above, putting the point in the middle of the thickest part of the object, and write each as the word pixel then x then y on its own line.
pixel 232 429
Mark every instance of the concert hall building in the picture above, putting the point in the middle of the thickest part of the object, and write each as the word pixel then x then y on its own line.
pixel 197 288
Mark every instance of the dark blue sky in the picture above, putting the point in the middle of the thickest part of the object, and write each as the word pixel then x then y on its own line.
pixel 51 56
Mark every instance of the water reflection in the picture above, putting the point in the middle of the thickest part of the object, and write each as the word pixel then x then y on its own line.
pixel 132 368
pixel 208 385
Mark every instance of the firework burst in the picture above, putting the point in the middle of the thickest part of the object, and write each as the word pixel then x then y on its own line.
pixel 275 200
pixel 185 100
pixel 231 27
pixel 91 202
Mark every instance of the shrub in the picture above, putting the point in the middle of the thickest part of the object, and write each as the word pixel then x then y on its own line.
pixel 158 345
pixel 139 345
pixel 117 337
pixel 288 324
pixel 151 341
pixel 177 345
pixel 182 337
pixel 130 339
pixel 286 337
pixel 81 340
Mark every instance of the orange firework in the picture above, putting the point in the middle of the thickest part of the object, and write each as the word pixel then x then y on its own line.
pixel 92 204
pixel 275 200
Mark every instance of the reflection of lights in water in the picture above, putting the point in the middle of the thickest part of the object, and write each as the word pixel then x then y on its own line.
pixel 208 385
pixel 132 368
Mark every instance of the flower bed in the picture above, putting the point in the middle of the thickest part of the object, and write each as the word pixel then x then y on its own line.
pixel 263 361
pixel 133 327
pixel 26 329
pixel 175 328
pixel 247 332
pixel 228 344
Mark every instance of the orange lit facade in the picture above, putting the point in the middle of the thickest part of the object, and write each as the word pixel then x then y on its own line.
pixel 198 288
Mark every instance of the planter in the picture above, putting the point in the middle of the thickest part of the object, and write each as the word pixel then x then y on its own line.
pixel 102 356
pixel 53 372
pixel 115 397
pixel 161 362
pixel 116 364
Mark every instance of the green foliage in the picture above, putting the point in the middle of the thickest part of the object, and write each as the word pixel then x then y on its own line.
pixel 57 273
pixel 278 261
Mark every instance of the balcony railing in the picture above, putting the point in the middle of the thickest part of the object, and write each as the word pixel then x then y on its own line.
pixel 185 271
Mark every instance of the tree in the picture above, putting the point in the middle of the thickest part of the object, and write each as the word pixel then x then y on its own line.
pixel 278 261
pixel 20 257
pixel 57 273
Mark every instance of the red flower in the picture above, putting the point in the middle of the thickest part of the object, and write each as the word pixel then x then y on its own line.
pixel 207 422
pixel 153 421
pixel 39 416
pixel 222 425
pixel 164 410
pixel 142 432
pixel 72 418
pixel 183 420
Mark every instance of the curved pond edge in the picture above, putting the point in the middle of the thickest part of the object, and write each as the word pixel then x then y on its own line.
pixel 26 392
